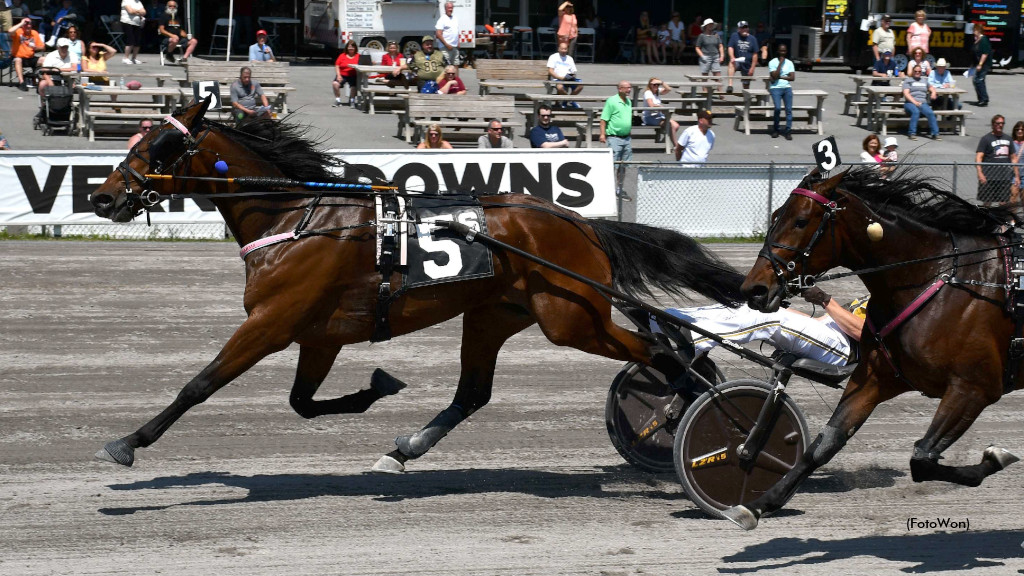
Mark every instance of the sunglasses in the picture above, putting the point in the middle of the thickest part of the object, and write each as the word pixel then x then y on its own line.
pixel 435 133
pixel 495 129
pixel 449 73
pixel 545 115
pixel 655 84
pixel 998 123
pixel 147 128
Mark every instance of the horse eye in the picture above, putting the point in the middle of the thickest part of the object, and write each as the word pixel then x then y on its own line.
pixel 800 223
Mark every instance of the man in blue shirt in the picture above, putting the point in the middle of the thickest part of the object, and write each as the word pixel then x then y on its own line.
pixel 545 134
pixel 885 67
pixel 743 49
pixel 781 72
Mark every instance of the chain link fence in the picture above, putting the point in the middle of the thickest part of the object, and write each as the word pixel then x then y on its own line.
pixel 127 231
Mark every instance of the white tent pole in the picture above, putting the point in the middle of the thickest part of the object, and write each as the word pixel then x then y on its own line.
pixel 231 20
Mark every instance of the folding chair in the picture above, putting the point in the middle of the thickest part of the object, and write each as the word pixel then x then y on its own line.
pixel 627 48
pixel 112 25
pixel 585 45
pixel 522 43
pixel 220 30
pixel 547 39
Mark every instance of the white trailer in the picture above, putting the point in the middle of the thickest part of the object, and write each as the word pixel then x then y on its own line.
pixel 372 23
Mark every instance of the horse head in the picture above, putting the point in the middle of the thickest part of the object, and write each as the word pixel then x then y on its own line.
pixel 802 241
pixel 129 190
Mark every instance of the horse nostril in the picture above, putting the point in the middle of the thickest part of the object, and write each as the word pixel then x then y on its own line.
pixel 757 291
pixel 102 200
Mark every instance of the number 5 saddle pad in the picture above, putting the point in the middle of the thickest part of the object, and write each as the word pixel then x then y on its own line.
pixel 437 255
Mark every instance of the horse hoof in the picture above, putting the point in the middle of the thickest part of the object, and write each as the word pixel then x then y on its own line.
pixel 1001 457
pixel 388 465
pixel 741 516
pixel 118 452
pixel 385 384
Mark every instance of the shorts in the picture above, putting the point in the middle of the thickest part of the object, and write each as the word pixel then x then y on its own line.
pixel 622 148
pixel 710 64
pixel 742 67
pixel 994 191
pixel 653 118
pixel 346 80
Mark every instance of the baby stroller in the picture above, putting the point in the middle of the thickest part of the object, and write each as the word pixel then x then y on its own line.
pixel 56 109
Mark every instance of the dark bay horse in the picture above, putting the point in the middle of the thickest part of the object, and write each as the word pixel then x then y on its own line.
pixel 939 327
pixel 321 291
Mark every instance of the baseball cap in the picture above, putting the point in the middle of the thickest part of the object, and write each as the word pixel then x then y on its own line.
pixel 886 17
pixel 887 53
pixel 261 33
pixel 705 113
pixel 427 39
pixel 63 43
pixel 742 24
pixel 891 141
pixel 707 22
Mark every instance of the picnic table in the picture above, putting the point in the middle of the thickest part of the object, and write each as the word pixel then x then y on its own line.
pixel 586 129
pixel 368 93
pixel 755 103
pixel 492 41
pixel 160 77
pixel 885 104
pixel 98 107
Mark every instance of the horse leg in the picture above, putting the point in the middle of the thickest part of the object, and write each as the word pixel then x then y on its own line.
pixel 254 340
pixel 314 365
pixel 959 407
pixel 484 331
pixel 857 403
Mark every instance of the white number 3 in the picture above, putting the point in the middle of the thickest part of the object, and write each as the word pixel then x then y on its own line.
pixel 827 158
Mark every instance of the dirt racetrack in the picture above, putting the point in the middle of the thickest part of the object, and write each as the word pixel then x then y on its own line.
pixel 98 337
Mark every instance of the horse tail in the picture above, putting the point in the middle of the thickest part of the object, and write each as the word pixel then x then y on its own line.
pixel 644 256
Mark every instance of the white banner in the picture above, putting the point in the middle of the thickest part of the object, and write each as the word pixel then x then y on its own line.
pixel 47 187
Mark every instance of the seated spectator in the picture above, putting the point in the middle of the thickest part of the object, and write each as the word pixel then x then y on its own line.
pixel 652 98
pixel 916 97
pixel 172 34
pixel 561 66
pixel 677 37
pixel 60 58
pixel 435 138
pixel 95 60
pixel 20 10
pixel 694 30
pixel 145 126
pixel 3 142
pixel 427 64
pixel 260 51
pixel 890 156
pixel 917 59
pixel 60 20
pixel 545 134
pixel 247 97
pixel 26 43
pixel 885 67
pixel 395 59
pixel 451 83
pixel 872 153
pixel 940 77
pixel 763 37
pixel 345 74
pixel 77 47
pixel 493 138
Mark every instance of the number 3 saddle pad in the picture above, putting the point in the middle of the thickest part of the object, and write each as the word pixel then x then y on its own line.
pixel 437 255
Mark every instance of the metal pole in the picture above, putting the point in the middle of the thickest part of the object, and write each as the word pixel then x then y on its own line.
pixel 954 179
pixel 771 191
pixel 231 20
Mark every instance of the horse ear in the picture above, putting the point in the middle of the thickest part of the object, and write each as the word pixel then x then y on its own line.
pixel 194 114
pixel 826 187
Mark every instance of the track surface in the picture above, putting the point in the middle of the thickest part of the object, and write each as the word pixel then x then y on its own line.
pixel 98 337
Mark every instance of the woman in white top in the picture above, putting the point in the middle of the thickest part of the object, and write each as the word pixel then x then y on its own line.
pixel 133 18
pixel 652 97
pixel 872 153
pixel 677 31
pixel 917 59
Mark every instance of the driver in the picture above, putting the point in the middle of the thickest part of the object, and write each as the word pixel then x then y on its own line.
pixel 825 339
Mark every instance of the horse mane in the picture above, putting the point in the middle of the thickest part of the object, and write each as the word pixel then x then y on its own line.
pixel 910 194
pixel 285 145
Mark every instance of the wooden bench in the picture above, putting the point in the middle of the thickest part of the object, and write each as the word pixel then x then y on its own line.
pixel 955 120
pixel 472 113
pixel 587 130
pixel 519 75
pixel 763 112
pixel 272 76
pixel 375 94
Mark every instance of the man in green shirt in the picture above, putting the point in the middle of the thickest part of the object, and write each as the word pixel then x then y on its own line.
pixel 616 125
pixel 428 64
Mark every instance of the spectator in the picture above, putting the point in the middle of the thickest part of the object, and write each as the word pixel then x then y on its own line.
pixel 917 94
pixel 493 138
pixel 60 58
pixel 396 60
pixel 545 134
pixel 133 17
pixel 890 154
pixel 145 125
pixel 694 29
pixel 918 33
pixel 18 11
pixel 940 77
pixel 568 28
pixel 434 138
pixel 645 38
pixel 247 96
pixel 983 63
pixel 3 142
pixel 95 61
pixel 616 126
pixel 695 143
pixel 917 59
pixel 173 34
pixel 447 32
pixel 885 67
pixel 710 53
pixel 6 16
pixel 663 43
pixel 260 51
pixel 763 37
pixel 77 47
pixel 994 148
pixel 782 72
pixel 652 98
pixel 451 83
pixel 872 153
pixel 26 43
pixel 1017 137
pixel 345 74
pixel 61 19
pixel 561 66
pixel 427 64
pixel 883 38
pixel 743 51
pixel 677 37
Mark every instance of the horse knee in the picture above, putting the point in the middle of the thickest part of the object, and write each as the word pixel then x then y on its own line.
pixel 828 443
pixel 303 406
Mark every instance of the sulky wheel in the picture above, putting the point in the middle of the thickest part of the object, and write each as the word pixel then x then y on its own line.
pixel 708 436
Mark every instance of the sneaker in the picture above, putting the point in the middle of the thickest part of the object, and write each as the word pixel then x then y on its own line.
pixel 52 41
pixel 22 87
pixel 728 90
pixel 573 105
pixel 352 102
pixel 936 137
pixel 789 136
pixel 912 137
pixel 183 60
pixel 982 104
pixel 137 61
pixel 337 102
pixel 775 133
pixel 126 61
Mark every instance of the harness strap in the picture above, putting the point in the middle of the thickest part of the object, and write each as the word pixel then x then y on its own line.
pixel 268 241
pixel 816 197
pixel 181 127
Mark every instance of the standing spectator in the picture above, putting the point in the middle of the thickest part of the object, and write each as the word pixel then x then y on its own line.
pixel 95 62
pixel 561 66
pixel 994 148
pixel 917 59
pixel 260 51
pixel 434 138
pixel 246 97
pixel 447 32
pixel 652 98
pixel 396 60
pixel 545 134
pixel 710 53
pixel 145 125
pixel 883 38
pixel 493 138
pixel 743 51
pixel 918 33
pixel 26 43
pixel 917 94
pixel 173 34
pixel 133 18
pixel 695 143
pixel 77 47
pixel 6 16
pixel 1017 136
pixel 872 153
pixel 568 29
pixel 677 37
pixel 763 37
pixel 885 67
pixel 982 63
pixel 345 74
pixel 451 83
pixel 427 64
pixel 645 38
pixel 616 127
pixel 61 59
pixel 941 78
pixel 782 72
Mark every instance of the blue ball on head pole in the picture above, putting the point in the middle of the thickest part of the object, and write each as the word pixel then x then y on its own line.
pixel 221 167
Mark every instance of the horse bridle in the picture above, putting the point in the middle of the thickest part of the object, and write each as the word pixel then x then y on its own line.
pixel 780 266
pixel 146 197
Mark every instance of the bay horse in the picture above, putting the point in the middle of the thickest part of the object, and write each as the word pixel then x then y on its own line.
pixel 938 320
pixel 321 290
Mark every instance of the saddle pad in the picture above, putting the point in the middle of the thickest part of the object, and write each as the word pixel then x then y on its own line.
pixel 438 255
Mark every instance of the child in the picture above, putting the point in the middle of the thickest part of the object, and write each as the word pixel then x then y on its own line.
pixel 664 41
pixel 889 156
